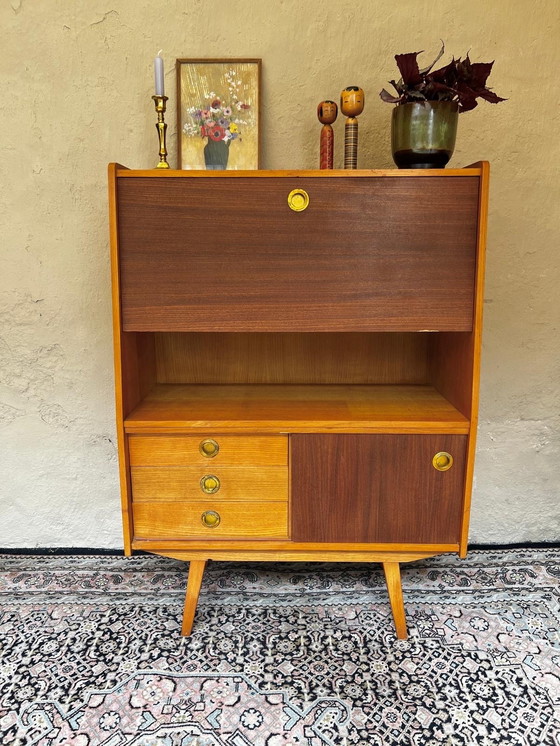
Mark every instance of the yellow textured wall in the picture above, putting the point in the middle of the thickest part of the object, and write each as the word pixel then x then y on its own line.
pixel 77 79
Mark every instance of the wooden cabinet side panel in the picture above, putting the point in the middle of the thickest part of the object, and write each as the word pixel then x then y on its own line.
pixel 134 361
pixel 376 488
pixel 118 353
pixel 454 358
pixel 451 364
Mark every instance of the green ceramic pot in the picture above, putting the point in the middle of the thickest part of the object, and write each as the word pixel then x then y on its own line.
pixel 423 134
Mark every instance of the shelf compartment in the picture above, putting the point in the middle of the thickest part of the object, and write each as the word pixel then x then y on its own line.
pixel 209 409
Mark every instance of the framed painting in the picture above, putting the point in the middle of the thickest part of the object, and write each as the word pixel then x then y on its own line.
pixel 218 114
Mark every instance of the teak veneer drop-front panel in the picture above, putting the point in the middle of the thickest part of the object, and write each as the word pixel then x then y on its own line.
pixel 244 437
pixel 367 254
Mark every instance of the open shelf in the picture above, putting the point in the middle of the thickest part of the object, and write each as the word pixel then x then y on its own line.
pixel 296 409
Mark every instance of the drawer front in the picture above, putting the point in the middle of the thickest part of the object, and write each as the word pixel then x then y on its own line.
pixel 368 254
pixel 253 483
pixel 378 488
pixel 208 451
pixel 184 520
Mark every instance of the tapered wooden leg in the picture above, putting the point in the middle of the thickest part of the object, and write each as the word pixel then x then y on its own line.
pixel 392 572
pixel 196 572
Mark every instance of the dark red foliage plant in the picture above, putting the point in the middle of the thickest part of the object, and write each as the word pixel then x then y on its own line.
pixel 462 81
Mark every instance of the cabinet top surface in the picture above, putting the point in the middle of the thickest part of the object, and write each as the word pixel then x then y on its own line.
pixel 123 171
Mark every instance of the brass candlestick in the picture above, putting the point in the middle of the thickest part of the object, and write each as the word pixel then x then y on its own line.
pixel 161 129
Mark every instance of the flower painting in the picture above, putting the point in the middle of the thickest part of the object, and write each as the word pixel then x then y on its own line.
pixel 218 114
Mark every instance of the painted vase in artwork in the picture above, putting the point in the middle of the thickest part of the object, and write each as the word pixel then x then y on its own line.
pixel 216 153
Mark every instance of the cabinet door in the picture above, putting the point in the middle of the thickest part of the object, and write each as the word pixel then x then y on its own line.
pixel 376 488
pixel 228 254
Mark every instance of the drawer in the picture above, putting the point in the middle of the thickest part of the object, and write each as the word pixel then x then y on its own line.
pixel 233 450
pixel 253 483
pixel 350 261
pixel 184 520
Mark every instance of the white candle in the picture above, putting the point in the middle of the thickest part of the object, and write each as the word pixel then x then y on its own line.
pixel 158 74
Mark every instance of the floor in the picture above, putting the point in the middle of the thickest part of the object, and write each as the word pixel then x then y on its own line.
pixel 281 654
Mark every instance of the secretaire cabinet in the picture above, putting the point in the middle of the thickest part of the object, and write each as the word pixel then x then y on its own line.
pixel 297 362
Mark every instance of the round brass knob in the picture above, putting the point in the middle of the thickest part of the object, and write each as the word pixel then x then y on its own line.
pixel 210 519
pixel 209 484
pixel 442 461
pixel 209 448
pixel 298 200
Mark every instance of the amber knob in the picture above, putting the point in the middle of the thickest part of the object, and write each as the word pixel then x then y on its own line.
pixel 209 448
pixel 210 519
pixel 298 200
pixel 209 484
pixel 442 461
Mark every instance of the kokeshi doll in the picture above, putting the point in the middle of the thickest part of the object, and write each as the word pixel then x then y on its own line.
pixel 351 105
pixel 327 112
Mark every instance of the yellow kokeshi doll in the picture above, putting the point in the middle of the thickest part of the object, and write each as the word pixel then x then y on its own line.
pixel 352 101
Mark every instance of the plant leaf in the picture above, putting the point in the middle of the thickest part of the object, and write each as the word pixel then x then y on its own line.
pixel 420 95
pixel 467 97
pixel 399 87
pixel 446 74
pixel 425 70
pixel 490 96
pixel 389 98
pixel 479 72
pixel 443 91
pixel 408 67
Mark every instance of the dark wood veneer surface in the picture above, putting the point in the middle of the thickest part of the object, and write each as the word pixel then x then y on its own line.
pixel 229 255
pixel 376 488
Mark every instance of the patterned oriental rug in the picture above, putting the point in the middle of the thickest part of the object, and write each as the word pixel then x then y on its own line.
pixel 281 654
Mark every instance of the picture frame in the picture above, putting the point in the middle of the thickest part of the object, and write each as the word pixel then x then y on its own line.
pixel 218 114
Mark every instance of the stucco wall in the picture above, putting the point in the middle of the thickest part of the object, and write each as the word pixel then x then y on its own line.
pixel 77 79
